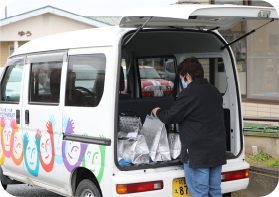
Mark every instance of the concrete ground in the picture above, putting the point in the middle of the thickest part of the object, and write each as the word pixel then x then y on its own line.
pixel 263 180
pixel 23 190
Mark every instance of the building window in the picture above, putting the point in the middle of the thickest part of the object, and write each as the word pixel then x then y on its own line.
pixel 12 49
pixel 239 51
pixel 260 3
pixel 263 63
pixel 234 2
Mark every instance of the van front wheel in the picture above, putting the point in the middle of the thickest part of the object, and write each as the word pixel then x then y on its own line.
pixel 86 188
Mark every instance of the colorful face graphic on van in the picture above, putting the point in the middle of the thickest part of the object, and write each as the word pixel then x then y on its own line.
pixel 72 152
pixel 32 153
pixel 16 142
pixel 2 153
pixel 47 148
pixel 58 137
pixel 7 137
pixel 94 160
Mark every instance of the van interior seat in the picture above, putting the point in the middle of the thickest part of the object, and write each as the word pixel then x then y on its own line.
pixel 122 86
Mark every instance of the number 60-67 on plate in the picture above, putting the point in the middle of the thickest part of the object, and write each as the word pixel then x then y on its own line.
pixel 179 188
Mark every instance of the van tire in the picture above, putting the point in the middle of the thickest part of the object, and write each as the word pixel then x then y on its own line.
pixel 87 188
pixel 4 185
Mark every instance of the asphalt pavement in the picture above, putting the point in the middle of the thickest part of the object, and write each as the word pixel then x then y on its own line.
pixel 23 190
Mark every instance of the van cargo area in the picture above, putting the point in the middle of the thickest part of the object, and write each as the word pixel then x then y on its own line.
pixel 140 92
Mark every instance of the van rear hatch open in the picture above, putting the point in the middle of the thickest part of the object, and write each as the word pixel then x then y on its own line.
pixel 187 18
pixel 195 16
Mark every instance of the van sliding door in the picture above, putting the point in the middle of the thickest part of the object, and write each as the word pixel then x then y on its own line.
pixel 11 149
pixel 42 120
pixel 86 115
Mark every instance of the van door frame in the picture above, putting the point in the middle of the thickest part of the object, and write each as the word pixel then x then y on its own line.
pixel 214 33
pixel 22 176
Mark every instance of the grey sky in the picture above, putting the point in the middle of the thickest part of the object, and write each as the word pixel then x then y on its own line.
pixel 83 7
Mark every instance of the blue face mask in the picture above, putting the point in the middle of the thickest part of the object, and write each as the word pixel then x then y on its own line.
pixel 184 83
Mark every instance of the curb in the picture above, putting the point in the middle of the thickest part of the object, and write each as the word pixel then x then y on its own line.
pixel 262 181
pixel 268 170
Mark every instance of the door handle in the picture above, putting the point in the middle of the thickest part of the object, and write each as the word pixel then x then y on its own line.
pixel 17 116
pixel 26 116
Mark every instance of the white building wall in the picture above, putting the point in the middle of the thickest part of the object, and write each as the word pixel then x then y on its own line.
pixel 40 26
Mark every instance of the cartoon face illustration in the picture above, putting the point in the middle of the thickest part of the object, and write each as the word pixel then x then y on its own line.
pixel 16 143
pixel 58 137
pixel 17 146
pixel 7 136
pixel 2 153
pixel 1 149
pixel 46 149
pixel 72 152
pixel 92 159
pixel 32 155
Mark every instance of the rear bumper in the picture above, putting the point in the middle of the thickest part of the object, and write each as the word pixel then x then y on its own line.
pixel 167 178
pixel 127 178
pixel 232 186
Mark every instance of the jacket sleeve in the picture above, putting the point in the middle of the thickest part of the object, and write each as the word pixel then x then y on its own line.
pixel 179 111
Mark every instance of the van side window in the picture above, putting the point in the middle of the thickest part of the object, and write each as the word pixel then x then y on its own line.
pixel 157 76
pixel 85 80
pixel 11 82
pixel 45 82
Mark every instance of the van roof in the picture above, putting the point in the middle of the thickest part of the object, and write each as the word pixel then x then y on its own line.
pixel 94 37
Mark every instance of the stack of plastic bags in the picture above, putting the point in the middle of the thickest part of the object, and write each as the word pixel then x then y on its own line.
pixel 155 134
pixel 140 144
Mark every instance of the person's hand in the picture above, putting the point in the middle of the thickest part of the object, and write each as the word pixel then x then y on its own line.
pixel 154 111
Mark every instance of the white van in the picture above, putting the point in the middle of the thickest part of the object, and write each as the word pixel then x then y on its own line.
pixel 59 132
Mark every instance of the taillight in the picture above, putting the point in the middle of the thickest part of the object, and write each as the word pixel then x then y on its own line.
pixel 139 187
pixel 234 175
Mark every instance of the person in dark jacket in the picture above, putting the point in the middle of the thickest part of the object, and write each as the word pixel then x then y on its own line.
pixel 198 111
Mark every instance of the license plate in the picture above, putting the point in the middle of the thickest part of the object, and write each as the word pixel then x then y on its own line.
pixel 179 188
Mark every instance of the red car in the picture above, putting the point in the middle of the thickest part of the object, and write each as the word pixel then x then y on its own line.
pixel 151 83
